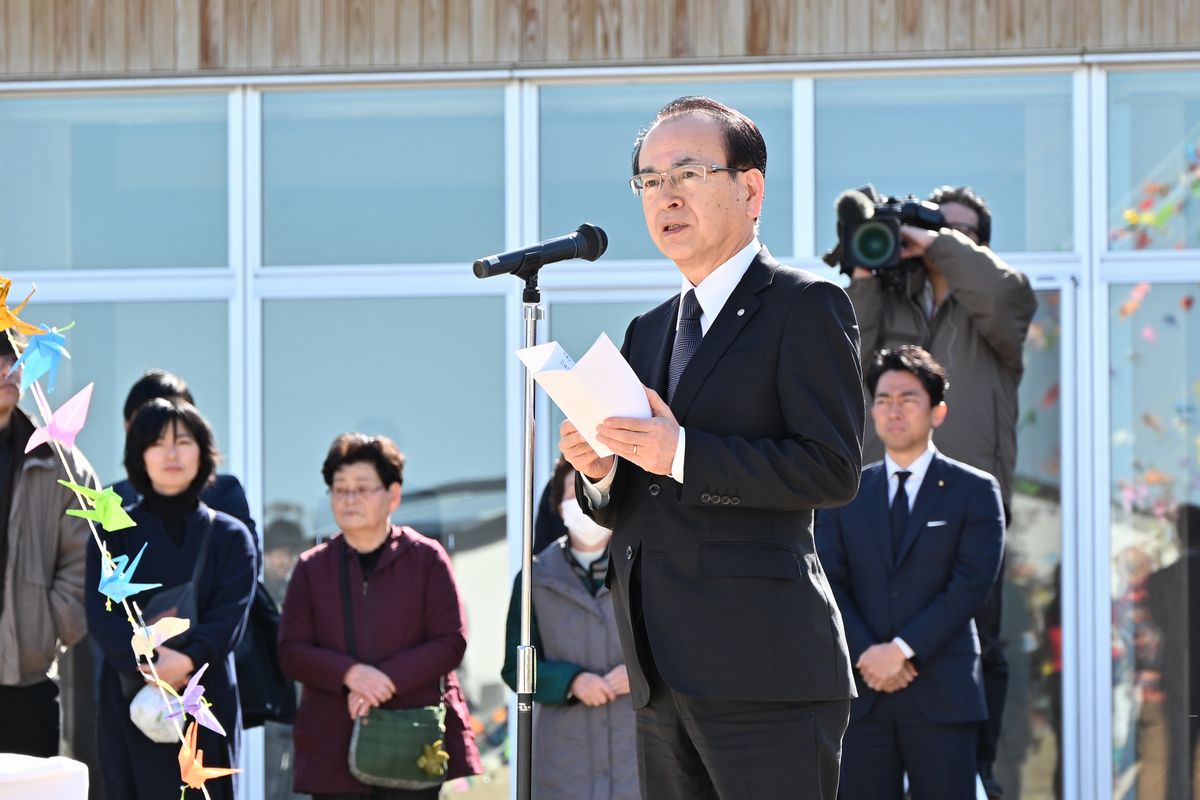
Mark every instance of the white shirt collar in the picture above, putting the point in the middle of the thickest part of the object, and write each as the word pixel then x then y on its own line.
pixel 714 290
pixel 917 469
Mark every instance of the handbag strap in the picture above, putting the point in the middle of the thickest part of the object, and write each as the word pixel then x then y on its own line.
pixel 347 616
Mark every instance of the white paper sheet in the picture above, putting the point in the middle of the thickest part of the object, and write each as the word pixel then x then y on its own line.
pixel 600 385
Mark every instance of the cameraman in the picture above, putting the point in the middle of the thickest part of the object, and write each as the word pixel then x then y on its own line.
pixel 971 311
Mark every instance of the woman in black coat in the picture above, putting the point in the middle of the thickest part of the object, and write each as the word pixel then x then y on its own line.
pixel 170 457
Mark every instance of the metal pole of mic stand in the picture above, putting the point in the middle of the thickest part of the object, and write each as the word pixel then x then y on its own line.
pixel 532 312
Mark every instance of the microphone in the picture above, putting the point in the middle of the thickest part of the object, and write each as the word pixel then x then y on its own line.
pixel 854 206
pixel 587 242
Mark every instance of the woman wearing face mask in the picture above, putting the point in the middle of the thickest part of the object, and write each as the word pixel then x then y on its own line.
pixel 583 729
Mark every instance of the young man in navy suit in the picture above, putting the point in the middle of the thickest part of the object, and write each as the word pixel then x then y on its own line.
pixel 911 560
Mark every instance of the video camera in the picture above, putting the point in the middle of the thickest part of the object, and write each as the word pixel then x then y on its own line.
pixel 869 234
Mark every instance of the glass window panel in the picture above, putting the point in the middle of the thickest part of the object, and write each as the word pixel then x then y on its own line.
pixel 586 138
pixel 112 344
pixel 1153 141
pixel 441 399
pixel 111 182
pixel 577 326
pixel 382 176
pixel 1155 467
pixel 1029 764
pixel 1006 136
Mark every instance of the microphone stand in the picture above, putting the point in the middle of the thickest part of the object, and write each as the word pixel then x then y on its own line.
pixel 532 312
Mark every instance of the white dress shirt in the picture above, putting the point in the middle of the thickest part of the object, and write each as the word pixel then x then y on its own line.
pixel 712 294
pixel 912 485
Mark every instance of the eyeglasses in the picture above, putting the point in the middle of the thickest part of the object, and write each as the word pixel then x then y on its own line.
pixel 342 495
pixel 687 176
pixel 966 229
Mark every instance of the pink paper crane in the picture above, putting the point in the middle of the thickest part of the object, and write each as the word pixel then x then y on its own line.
pixel 66 423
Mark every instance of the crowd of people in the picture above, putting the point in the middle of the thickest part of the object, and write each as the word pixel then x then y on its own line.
pixel 731 582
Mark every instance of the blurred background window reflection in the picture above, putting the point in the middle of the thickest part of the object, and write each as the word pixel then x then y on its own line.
pixel 1155 379
pixel 134 181
pixel 1006 136
pixel 586 138
pixel 396 367
pixel 382 176
pixel 1153 150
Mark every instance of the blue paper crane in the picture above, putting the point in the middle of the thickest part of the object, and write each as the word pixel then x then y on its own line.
pixel 41 357
pixel 116 578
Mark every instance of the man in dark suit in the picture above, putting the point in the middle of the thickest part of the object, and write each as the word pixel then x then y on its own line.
pixel 911 561
pixel 737 660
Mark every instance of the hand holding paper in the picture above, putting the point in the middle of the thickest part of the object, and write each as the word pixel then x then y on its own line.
pixel 601 385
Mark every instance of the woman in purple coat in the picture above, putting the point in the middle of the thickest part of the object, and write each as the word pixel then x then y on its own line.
pixel 409 626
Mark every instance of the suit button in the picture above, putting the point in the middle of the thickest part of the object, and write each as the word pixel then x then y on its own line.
pixel 629 553
pixel 895 595
pixel 704 497
pixel 725 500
pixel 654 489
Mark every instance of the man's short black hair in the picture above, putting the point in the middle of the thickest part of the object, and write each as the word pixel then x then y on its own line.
pixel 355 448
pixel 147 426
pixel 914 360
pixel 965 195
pixel 156 383
pixel 744 144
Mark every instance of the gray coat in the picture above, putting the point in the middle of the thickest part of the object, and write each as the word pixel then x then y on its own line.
pixel 977 334
pixel 579 752
pixel 43 581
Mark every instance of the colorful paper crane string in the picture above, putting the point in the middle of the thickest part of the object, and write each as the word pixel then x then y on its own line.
pixel 106 507
pixel 41 357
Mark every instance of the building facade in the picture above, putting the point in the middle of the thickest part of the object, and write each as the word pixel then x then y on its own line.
pixel 280 200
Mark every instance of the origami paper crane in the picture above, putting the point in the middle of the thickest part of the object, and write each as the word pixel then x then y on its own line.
pixel 191 762
pixel 66 423
pixel 41 357
pixel 106 507
pixel 8 316
pixel 116 579
pixel 146 639
pixel 192 701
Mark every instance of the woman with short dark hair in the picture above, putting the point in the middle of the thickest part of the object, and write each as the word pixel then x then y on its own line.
pixel 409 626
pixel 170 456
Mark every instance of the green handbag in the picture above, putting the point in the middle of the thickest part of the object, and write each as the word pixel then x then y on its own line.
pixel 402 748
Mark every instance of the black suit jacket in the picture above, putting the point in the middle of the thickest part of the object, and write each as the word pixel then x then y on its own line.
pixel 928 592
pixel 733 599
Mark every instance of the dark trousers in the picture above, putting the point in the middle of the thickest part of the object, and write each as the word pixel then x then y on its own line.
pixel 694 749
pixel 379 793
pixel 895 738
pixel 29 719
pixel 995 670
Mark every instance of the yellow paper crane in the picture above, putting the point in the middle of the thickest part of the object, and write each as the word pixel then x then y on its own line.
pixel 8 316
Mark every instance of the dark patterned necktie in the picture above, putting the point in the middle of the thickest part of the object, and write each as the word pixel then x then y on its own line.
pixel 899 513
pixel 687 339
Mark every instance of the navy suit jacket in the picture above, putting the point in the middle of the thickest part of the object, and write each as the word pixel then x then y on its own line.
pixel 928 592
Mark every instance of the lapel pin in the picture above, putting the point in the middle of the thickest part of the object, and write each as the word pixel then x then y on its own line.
pixel 741 311
pixel 941 484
